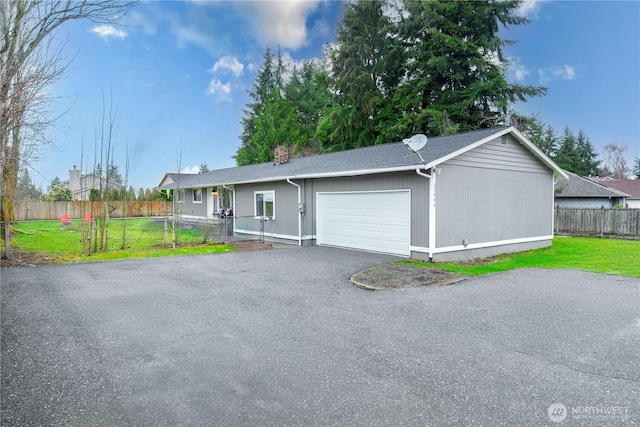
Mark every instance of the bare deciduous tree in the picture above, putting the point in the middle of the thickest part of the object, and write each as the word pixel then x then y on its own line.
pixel 29 63
pixel 615 162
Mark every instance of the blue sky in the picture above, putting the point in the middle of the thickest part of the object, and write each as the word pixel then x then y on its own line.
pixel 179 74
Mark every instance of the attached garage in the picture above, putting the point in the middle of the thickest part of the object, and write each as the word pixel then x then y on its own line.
pixel 468 195
pixel 378 221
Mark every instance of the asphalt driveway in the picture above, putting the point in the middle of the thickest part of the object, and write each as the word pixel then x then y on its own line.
pixel 280 337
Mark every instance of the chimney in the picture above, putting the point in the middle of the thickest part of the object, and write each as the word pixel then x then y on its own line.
pixel 281 155
pixel 74 180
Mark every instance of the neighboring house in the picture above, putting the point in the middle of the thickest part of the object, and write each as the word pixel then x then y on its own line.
pixel 475 194
pixel 81 185
pixel 579 192
pixel 628 186
pixel 171 177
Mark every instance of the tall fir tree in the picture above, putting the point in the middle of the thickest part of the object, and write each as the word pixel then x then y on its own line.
pixel 357 75
pixel 567 154
pixel 588 164
pixel 309 95
pixel 456 77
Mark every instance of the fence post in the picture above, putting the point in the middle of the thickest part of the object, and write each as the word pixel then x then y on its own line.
pixel 7 239
pixel 601 221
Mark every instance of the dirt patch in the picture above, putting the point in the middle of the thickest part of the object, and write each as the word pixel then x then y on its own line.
pixel 28 259
pixel 392 276
pixel 251 246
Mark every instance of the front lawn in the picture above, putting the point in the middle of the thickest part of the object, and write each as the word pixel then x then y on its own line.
pixel 142 238
pixel 608 256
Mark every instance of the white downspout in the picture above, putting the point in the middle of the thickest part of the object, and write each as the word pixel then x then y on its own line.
pixel 432 209
pixel 299 211
pixel 233 204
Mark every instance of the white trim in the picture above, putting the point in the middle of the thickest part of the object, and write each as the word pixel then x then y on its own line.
pixel 420 249
pixel 491 244
pixel 519 136
pixel 258 233
pixel 193 195
pixel 309 237
pixel 264 195
pixel 299 211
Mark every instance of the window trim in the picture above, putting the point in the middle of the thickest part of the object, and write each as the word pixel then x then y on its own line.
pixel 196 191
pixel 182 195
pixel 264 193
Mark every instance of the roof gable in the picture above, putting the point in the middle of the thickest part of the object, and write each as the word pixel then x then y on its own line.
pixel 390 157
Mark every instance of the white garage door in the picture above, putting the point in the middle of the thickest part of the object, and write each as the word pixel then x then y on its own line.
pixel 378 221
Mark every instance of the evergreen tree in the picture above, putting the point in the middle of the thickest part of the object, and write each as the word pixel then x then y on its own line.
pixel 358 75
pixel 541 134
pixel 456 77
pixel 588 164
pixel 567 154
pixel 141 195
pixel 131 194
pixel 26 190
pixel 55 182
pixel 309 95
pixel 261 89
pixel 636 168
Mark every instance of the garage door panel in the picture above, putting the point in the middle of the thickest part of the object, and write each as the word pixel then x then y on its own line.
pixel 375 221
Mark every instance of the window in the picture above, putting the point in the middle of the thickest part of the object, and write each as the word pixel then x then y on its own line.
pixel 197 195
pixel 265 203
pixel 181 196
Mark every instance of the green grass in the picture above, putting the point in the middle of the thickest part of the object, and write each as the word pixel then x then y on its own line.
pixel 143 239
pixel 608 256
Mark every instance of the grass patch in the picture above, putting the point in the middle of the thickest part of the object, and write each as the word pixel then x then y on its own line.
pixel 608 256
pixel 143 239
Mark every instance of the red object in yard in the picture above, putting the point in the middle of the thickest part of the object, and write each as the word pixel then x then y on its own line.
pixel 87 217
pixel 65 220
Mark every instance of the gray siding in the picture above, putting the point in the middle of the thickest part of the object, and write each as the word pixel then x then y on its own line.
pixel 286 208
pixel 189 207
pixel 418 185
pixel 494 154
pixel 494 192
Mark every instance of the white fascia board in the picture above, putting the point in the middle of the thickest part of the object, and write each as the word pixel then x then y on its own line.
pixel 538 153
pixel 332 174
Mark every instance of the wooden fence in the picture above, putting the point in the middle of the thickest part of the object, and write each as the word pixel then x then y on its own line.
pixel 597 222
pixel 27 210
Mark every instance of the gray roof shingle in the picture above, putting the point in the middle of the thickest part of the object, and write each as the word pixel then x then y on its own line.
pixel 578 186
pixel 355 162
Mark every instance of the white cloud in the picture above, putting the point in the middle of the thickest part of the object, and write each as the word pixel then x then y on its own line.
pixel 279 22
pixel 529 7
pixel 108 31
pixel 564 72
pixel 191 169
pixel 518 71
pixel 228 63
pixel 194 35
pixel 219 91
pixel 138 20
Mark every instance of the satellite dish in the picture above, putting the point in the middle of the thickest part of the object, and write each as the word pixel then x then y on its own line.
pixel 416 143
